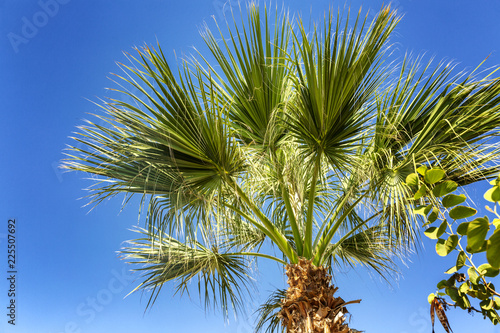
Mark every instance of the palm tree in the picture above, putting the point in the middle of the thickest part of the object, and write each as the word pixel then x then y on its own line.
pixel 288 141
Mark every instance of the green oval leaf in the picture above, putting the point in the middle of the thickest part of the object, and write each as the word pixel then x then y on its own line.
pixel 465 302
pixel 434 232
pixel 488 270
pixel 480 249
pixel 493 249
pixel 442 284
pixel 482 292
pixel 451 270
pixel 420 193
pixel 412 180
pixel 461 258
pixel 462 212
pixel 495 182
pixel 442 228
pixel 487 304
pixel 464 288
pixel 420 210
pixel 440 247
pixel 493 194
pixel 462 228
pixel 444 247
pixel 444 188
pixel 431 232
pixel 453 293
pixel 452 200
pixel 433 216
pixel 422 170
pixel 476 233
pixel 473 276
pixel 493 315
pixel 432 176
pixel 452 242
pixel 496 223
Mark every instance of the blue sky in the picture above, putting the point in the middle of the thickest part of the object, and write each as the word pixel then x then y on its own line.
pixel 55 56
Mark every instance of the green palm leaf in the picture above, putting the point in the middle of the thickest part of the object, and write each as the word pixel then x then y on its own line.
pixel 222 277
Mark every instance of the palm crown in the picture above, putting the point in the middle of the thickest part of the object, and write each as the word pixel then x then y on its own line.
pixel 299 139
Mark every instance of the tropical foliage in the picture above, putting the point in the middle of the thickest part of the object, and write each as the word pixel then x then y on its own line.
pixel 446 222
pixel 285 140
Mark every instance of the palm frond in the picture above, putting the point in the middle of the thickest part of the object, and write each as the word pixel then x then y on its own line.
pixel 175 143
pixel 337 76
pixel 428 117
pixel 370 247
pixel 223 278
pixel 268 313
pixel 254 72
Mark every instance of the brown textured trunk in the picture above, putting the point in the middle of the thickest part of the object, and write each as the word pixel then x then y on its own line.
pixel 309 306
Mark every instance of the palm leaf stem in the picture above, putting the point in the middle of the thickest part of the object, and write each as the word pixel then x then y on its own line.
pixel 310 209
pixel 274 234
pixel 256 254
pixel 323 231
pixel 328 233
pixel 291 216
pixel 251 220
pixel 324 257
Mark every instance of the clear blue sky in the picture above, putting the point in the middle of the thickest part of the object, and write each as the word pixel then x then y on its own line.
pixel 55 57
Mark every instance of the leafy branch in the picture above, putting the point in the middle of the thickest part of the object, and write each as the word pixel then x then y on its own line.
pixel 449 223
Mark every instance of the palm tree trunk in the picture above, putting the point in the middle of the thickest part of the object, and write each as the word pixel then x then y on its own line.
pixel 309 306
